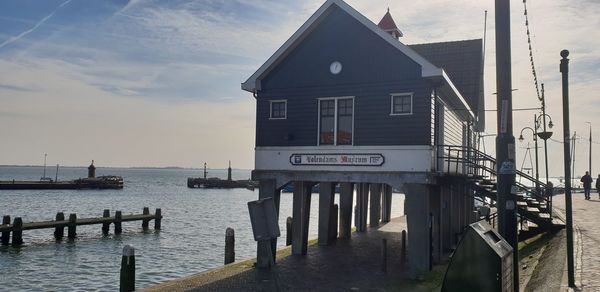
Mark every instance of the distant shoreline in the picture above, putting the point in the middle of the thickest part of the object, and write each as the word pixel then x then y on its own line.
pixel 133 167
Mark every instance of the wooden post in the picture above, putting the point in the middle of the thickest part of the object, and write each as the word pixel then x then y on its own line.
pixel 105 226
pixel 288 233
pixel 145 222
pixel 157 218
pixel 118 220
pixel 72 231
pixel 127 269
pixel 345 221
pixel 333 223
pixel 384 255
pixel 6 234
pixel 229 246
pixel 59 231
pixel 403 251
pixel 17 232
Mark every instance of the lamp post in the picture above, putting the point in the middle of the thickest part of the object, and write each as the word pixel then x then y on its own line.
pixel 537 169
pixel 564 69
pixel 590 166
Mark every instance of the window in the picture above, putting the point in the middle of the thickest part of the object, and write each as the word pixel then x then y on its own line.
pixel 278 109
pixel 401 104
pixel 336 121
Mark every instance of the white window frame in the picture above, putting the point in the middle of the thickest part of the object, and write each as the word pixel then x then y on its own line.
pixel 335 120
pixel 392 113
pixel 271 109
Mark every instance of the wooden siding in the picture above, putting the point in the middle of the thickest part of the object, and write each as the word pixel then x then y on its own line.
pixel 453 128
pixel 372 70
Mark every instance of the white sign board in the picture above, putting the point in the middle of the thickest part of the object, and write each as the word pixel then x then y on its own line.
pixel 338 159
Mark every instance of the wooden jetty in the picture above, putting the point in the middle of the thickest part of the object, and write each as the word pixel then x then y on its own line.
pixel 59 224
pixel 217 183
pixel 90 182
pixel 101 182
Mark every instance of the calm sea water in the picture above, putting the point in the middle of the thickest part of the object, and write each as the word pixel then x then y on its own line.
pixel 191 240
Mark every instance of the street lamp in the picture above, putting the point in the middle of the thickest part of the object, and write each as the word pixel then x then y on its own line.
pixel 537 170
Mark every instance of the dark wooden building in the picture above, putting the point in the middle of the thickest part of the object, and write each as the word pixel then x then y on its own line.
pixel 344 101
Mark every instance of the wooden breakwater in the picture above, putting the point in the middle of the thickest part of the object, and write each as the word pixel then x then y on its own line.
pixel 216 183
pixel 101 182
pixel 17 227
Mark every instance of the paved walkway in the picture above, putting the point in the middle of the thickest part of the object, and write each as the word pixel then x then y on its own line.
pixel 344 266
pixel 586 221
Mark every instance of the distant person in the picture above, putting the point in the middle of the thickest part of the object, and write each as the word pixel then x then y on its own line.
pixel 598 186
pixel 587 184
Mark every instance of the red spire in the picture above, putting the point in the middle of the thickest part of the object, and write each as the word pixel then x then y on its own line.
pixel 388 24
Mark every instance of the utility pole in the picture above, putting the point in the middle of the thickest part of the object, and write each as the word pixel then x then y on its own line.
pixel 564 69
pixel 505 141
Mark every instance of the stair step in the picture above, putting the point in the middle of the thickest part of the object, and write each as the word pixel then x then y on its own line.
pixel 521 203
pixel 533 210
pixel 545 216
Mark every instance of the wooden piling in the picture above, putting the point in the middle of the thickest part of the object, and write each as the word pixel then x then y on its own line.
pixel 59 231
pixel 145 222
pixel 333 223
pixel 106 226
pixel 5 235
pixel 72 231
pixel 229 246
pixel 127 275
pixel 403 251
pixel 384 255
pixel 158 218
pixel 118 221
pixel 17 236
pixel 288 231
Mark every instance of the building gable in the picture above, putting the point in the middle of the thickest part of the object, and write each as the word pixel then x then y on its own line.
pixel 254 84
pixel 364 56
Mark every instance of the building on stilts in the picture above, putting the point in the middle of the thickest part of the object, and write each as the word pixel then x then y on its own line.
pixel 345 102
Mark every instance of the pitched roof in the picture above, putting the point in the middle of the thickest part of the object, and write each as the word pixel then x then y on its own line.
pixel 462 61
pixel 388 24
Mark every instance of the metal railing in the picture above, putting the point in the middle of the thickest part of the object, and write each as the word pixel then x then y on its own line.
pixel 463 160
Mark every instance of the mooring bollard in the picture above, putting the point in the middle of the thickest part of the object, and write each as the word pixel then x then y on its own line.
pixel 384 255
pixel 403 251
pixel 59 231
pixel 128 269
pixel 72 231
pixel 17 232
pixel 118 220
pixel 6 234
pixel 229 246
pixel 145 222
pixel 288 231
pixel 157 219
pixel 106 226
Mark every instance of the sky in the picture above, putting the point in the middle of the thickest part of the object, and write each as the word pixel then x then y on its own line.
pixel 157 83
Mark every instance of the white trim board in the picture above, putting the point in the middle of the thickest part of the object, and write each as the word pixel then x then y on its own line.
pixel 253 83
pixel 397 158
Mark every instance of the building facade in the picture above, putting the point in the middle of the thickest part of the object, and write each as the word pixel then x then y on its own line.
pixel 344 101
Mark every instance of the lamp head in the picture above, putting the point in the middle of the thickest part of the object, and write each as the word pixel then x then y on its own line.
pixel 521 137
pixel 550 125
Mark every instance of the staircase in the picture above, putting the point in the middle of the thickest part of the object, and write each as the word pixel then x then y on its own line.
pixel 534 203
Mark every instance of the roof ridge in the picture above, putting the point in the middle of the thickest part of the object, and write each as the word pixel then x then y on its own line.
pixel 446 42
